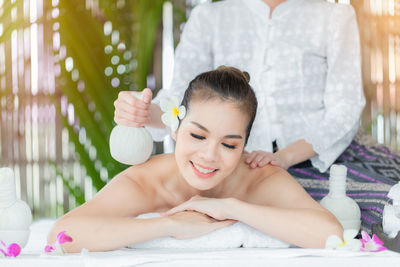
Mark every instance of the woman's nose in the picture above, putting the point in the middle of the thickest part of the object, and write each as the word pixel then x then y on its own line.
pixel 209 152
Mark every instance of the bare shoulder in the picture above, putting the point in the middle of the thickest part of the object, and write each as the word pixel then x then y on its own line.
pixel 274 186
pixel 149 173
pixel 130 193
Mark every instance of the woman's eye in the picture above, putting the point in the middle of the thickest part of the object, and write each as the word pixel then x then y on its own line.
pixel 229 146
pixel 197 136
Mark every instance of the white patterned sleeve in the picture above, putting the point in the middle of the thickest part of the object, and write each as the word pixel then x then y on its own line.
pixel 343 98
pixel 192 56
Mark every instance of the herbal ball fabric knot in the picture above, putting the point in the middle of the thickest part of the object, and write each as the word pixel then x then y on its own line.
pixel 172 111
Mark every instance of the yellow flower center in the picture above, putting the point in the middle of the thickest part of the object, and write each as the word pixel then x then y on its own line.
pixel 175 111
pixel 343 244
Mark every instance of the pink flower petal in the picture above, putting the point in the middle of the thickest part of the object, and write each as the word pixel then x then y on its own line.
pixel 381 248
pixel 14 250
pixel 49 248
pixel 369 244
pixel 4 253
pixel 365 237
pixel 63 238
pixel 376 240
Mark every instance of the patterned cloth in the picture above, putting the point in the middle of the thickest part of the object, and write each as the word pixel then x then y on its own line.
pixel 372 170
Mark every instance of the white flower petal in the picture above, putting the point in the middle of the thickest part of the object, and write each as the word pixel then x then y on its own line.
pixel 333 241
pixel 354 245
pixel 166 119
pixel 349 234
pixel 164 104
pixel 167 104
pixel 175 101
pixel 174 124
pixel 182 112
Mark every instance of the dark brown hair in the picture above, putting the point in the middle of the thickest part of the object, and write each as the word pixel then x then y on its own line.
pixel 227 84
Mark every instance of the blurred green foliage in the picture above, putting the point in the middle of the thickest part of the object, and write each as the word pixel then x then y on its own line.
pixel 111 48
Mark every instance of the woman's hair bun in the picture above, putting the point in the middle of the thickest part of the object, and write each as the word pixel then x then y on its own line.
pixel 246 75
pixel 237 72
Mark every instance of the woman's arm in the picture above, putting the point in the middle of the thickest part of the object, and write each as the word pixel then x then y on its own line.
pixel 280 207
pixel 276 205
pixel 104 222
pixel 107 233
pixel 305 227
pixel 107 221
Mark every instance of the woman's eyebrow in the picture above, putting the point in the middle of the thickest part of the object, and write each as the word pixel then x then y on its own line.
pixel 235 136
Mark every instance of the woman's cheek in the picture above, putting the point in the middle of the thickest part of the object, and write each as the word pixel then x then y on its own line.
pixel 231 156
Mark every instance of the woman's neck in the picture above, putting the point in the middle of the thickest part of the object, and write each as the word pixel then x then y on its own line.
pixel 272 5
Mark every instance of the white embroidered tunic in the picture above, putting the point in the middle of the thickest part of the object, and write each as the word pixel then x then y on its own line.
pixel 304 66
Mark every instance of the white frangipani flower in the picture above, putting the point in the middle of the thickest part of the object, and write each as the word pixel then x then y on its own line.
pixel 172 111
pixel 349 243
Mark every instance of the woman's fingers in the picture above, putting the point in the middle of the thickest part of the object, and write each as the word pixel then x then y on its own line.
pixel 181 207
pixel 221 224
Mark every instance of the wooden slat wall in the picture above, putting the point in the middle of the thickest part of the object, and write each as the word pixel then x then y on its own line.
pixel 379 23
pixel 31 133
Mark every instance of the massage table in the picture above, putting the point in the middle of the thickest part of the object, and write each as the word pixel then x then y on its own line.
pixel 33 255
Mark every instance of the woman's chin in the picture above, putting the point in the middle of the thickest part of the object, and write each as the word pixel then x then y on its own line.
pixel 200 184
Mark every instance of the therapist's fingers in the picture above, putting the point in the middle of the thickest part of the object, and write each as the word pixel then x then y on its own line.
pixel 131 111
pixel 128 123
pixel 122 117
pixel 257 160
pixel 251 156
pixel 147 95
pixel 267 159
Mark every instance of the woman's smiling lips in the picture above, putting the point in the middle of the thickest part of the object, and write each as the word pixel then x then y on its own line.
pixel 202 171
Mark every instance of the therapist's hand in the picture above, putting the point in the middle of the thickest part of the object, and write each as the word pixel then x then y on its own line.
pixel 130 111
pixel 259 158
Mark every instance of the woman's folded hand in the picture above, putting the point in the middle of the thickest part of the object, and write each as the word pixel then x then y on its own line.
pixel 216 208
pixel 190 224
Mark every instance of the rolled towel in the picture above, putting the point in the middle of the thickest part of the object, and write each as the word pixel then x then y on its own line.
pixel 390 222
pixel 233 236
pixel 254 238
pixel 394 194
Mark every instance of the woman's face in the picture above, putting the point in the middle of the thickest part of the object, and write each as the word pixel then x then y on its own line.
pixel 210 142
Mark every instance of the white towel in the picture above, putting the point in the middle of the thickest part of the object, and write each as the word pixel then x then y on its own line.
pixel 394 194
pixel 390 222
pixel 233 236
pixel 391 213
